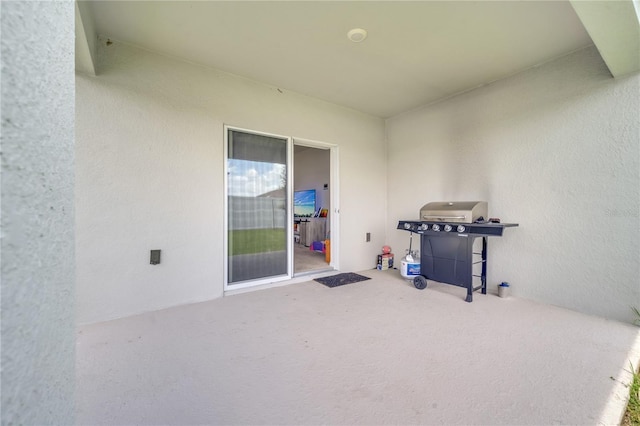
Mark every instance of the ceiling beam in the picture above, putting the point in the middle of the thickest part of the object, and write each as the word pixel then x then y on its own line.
pixel 85 40
pixel 614 27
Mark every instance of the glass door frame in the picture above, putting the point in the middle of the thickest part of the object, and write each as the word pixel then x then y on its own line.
pixel 289 205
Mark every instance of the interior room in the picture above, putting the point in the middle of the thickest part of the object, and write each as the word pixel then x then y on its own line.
pixel 312 222
pixel 136 135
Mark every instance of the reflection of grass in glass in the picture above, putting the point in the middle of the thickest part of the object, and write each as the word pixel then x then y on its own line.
pixel 245 241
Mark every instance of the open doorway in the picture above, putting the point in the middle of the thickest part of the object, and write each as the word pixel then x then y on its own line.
pixel 312 208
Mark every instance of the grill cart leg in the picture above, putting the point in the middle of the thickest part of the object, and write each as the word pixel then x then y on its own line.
pixel 468 279
pixel 483 278
pixel 420 282
pixel 483 274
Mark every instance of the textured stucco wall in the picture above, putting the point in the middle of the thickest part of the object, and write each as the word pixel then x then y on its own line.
pixel 555 148
pixel 38 331
pixel 149 175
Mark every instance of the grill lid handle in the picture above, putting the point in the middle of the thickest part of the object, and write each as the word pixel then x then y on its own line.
pixel 427 216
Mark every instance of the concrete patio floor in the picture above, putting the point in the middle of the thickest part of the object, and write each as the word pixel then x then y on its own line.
pixel 374 352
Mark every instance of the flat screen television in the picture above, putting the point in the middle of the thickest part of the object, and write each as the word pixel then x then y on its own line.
pixel 304 203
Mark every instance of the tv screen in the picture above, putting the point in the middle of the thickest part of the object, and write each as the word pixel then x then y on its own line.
pixel 304 203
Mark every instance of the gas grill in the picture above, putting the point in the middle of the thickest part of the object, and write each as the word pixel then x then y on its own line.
pixel 447 232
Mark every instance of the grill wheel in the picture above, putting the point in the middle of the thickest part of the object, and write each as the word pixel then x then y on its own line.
pixel 420 282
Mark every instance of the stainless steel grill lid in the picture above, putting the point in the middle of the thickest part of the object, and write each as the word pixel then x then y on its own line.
pixel 454 211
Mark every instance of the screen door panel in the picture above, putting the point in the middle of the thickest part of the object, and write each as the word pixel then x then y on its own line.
pixel 257 206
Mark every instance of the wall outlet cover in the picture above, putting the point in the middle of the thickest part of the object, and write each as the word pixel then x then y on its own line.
pixel 155 257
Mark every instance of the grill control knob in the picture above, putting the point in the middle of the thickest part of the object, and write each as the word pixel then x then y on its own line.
pixel 424 227
pixel 447 228
pixel 407 226
pixel 435 227
pixel 461 228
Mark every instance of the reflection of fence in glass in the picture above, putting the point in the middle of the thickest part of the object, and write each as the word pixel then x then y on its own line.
pixel 257 213
pixel 257 225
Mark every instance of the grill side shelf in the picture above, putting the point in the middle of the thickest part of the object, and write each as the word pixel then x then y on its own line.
pixel 485 229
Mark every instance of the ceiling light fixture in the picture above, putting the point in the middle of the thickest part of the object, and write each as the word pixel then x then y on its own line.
pixel 357 35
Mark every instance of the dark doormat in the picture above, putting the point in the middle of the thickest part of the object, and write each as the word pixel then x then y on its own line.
pixel 341 279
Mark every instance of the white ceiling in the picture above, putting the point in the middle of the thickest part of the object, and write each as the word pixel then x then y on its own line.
pixel 416 52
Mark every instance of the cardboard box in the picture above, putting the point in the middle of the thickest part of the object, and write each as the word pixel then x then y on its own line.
pixel 385 261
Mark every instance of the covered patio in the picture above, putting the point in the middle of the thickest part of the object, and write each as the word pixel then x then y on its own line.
pixel 373 352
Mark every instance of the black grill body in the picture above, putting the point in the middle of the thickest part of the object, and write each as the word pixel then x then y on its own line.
pixel 446 252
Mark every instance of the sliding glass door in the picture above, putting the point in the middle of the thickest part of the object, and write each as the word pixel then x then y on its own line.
pixel 258 208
